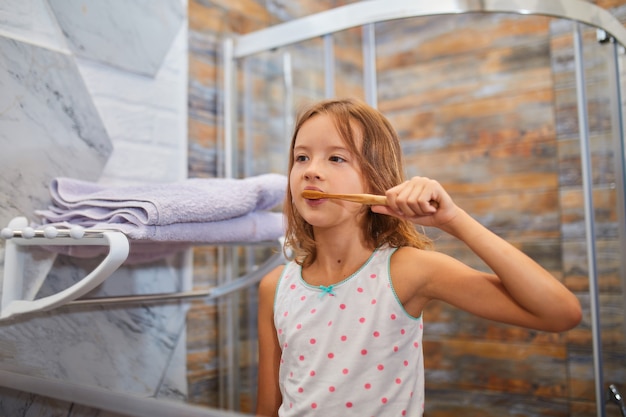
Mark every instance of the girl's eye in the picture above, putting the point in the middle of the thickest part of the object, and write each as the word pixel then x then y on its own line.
pixel 301 158
pixel 337 159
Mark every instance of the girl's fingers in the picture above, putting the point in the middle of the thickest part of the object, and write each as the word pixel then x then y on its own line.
pixel 413 198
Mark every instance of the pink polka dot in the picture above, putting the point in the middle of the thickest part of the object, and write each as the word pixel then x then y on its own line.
pixel 402 331
pixel 291 374
pixel 301 357
pixel 376 334
pixel 395 348
pixel 344 338
pixel 406 363
pixel 303 298
pixel 342 306
pixel 280 331
pixel 359 289
pixel 373 276
pixel 380 367
pixel 312 373
pixel 398 381
pixel 362 320
pixel 368 385
pixel 330 323
pixel 313 311
pixel 373 301
pixel 285 313
pixel 363 351
pixel 314 405
pixel 312 341
pixel 393 317
pixel 331 389
pixel 285 345
pixel 404 412
pixel 299 326
pixel 421 326
pixel 349 404
pixel 383 400
pixel 345 371
pixel 416 344
pixel 292 286
pixel 300 389
pixel 331 355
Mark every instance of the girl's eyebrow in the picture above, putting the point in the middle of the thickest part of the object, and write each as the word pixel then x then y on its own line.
pixel 331 148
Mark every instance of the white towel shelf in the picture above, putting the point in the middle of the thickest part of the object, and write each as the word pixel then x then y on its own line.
pixel 18 234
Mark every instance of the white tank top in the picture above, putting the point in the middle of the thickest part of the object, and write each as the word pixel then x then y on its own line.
pixel 349 349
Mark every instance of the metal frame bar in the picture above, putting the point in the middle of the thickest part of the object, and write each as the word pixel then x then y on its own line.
pixel 363 13
pixel 329 66
pixel 587 183
pixel 370 84
pixel 230 105
pixel 208 294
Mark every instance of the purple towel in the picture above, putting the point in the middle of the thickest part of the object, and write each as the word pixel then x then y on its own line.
pixel 189 201
pixel 149 243
pixel 161 219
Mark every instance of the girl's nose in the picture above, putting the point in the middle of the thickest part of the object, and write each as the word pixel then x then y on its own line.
pixel 312 172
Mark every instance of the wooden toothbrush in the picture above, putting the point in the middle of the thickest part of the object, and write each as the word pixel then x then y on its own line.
pixel 367 199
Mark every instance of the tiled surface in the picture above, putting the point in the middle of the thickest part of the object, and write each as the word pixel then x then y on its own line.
pixel 61 115
pixel 95 29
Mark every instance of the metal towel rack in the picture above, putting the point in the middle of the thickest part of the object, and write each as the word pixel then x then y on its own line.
pixel 18 234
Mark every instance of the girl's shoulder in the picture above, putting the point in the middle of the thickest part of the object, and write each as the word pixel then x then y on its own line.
pixel 267 286
pixel 408 263
pixel 407 256
pixel 413 271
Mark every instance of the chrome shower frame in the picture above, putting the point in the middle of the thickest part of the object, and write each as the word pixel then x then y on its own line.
pixel 366 14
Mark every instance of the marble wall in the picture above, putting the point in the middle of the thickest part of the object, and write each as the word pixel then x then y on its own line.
pixel 94 90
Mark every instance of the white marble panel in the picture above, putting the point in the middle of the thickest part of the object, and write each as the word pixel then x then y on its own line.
pixel 145 116
pixel 125 348
pixel 133 35
pixel 54 122
pixel 31 21
pixel 49 126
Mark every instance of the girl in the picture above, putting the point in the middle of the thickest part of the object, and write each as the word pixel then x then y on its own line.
pixel 340 326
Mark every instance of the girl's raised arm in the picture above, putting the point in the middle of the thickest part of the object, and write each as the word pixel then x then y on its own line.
pixel 521 292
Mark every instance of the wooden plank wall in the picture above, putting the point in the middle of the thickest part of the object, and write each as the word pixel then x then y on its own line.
pixel 487 105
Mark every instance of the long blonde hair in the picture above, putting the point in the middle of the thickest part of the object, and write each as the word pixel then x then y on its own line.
pixel 381 164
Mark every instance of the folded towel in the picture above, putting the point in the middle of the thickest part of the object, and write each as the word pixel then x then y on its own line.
pixel 161 219
pixel 253 227
pixel 154 242
pixel 193 200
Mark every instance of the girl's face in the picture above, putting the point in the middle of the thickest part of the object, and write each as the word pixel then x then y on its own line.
pixel 323 162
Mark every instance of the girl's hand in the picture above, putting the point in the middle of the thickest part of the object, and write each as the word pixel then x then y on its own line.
pixel 420 200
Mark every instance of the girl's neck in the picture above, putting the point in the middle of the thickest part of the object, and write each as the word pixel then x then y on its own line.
pixel 337 258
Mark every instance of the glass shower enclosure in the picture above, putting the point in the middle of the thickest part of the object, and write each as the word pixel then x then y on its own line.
pixel 517 108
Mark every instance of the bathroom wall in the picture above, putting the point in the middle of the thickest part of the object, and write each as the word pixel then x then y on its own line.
pixel 94 90
pixel 495 120
pixel 486 104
